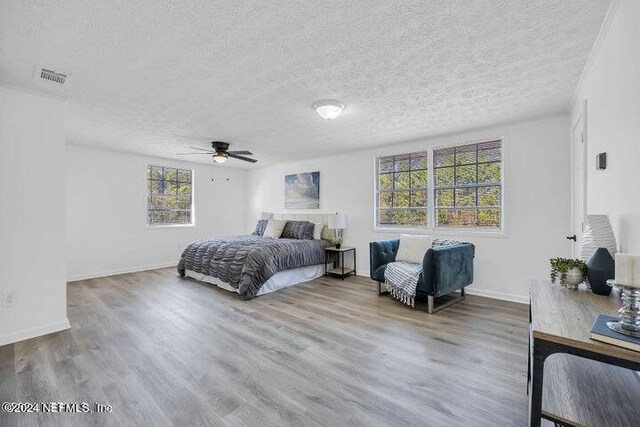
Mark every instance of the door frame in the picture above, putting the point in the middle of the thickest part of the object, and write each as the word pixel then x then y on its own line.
pixel 574 208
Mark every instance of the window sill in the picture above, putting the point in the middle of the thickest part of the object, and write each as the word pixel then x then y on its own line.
pixel 445 232
pixel 162 226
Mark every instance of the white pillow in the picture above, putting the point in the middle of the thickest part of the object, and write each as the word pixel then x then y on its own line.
pixel 413 247
pixel 317 230
pixel 274 228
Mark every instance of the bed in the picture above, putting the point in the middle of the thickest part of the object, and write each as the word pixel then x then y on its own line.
pixel 254 265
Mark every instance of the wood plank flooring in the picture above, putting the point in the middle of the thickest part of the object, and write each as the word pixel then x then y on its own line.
pixel 169 351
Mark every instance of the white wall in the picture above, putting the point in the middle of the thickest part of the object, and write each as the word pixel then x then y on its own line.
pixel 611 86
pixel 537 194
pixel 106 212
pixel 32 259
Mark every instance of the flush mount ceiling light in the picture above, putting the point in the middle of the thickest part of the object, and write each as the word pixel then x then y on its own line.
pixel 328 108
pixel 220 157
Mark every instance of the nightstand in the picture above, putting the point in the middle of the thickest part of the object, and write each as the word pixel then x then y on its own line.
pixel 339 271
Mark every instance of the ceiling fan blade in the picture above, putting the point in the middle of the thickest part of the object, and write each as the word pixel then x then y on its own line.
pixel 246 159
pixel 189 154
pixel 248 153
pixel 201 149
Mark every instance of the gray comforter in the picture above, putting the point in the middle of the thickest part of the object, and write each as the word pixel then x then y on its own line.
pixel 246 262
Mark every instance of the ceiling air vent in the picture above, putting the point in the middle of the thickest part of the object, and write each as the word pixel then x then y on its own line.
pixel 52 76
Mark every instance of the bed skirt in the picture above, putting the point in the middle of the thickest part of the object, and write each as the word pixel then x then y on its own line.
pixel 280 280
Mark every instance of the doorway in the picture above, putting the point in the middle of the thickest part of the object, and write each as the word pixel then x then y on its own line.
pixel 579 178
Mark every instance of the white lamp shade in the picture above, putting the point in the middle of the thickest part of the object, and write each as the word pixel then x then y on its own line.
pixel 597 234
pixel 338 221
pixel 265 215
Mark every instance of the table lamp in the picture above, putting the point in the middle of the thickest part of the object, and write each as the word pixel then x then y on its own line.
pixel 338 222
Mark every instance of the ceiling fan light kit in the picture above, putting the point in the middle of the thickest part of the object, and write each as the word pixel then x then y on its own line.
pixel 328 109
pixel 220 157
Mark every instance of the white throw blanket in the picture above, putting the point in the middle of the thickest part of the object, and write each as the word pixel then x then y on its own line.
pixel 401 280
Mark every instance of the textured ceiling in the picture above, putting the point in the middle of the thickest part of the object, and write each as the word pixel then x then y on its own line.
pixel 154 76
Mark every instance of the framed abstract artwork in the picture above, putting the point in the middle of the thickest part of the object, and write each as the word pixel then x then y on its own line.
pixel 302 191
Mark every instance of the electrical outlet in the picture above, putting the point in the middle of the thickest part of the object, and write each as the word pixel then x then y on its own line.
pixel 8 299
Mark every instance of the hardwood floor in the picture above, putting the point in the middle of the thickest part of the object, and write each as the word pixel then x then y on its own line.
pixel 169 351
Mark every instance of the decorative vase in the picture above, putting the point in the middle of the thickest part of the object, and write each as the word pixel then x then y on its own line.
pixel 573 278
pixel 597 234
pixel 600 268
pixel 337 245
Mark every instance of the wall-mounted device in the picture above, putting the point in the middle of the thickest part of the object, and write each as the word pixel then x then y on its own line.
pixel 601 161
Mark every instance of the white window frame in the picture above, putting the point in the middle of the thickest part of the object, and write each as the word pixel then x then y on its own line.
pixel 146 202
pixel 377 181
pixel 430 228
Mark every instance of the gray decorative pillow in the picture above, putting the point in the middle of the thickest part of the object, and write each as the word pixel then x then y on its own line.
pixel 301 230
pixel 260 226
pixel 292 230
pixel 306 231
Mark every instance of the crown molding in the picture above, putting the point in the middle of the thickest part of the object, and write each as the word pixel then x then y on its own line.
pixel 597 44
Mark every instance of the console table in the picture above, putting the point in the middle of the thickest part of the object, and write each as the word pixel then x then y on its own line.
pixel 578 391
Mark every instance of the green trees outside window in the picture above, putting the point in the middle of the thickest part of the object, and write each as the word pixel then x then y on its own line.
pixel 468 186
pixel 466 191
pixel 169 196
pixel 402 190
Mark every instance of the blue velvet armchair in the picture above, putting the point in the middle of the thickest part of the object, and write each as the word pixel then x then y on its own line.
pixel 445 270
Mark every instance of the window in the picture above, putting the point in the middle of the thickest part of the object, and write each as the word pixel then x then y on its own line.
pixel 402 190
pixel 453 187
pixel 468 186
pixel 169 196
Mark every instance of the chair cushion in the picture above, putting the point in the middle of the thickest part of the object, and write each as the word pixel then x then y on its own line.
pixel 413 247
pixel 378 274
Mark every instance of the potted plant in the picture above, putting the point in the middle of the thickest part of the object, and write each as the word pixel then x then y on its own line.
pixel 572 272
pixel 337 242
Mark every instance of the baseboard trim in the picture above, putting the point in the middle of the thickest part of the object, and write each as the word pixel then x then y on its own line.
pixel 35 332
pixel 119 271
pixel 498 295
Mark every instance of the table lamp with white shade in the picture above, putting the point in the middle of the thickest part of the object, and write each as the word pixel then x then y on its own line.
pixel 337 222
pixel 628 280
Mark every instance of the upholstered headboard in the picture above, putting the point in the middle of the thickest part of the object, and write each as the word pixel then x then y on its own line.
pixel 311 217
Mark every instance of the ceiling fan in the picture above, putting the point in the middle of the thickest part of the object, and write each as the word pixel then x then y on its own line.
pixel 221 153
